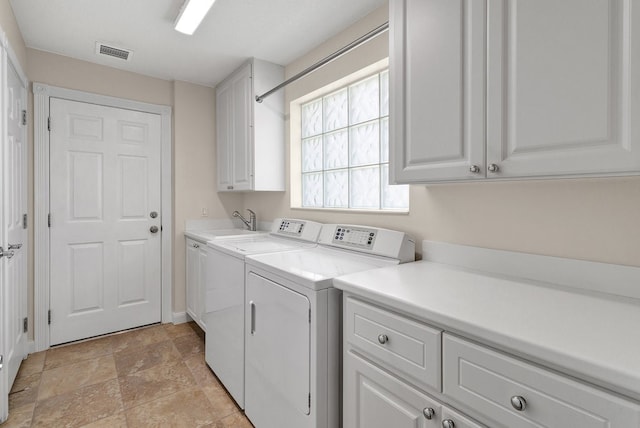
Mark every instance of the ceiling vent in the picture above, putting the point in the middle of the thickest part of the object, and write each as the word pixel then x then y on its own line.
pixel 112 51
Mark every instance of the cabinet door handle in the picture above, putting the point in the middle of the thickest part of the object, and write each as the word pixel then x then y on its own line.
pixel 518 403
pixel 229 187
pixel 428 413
pixel 448 423
pixel 493 167
pixel 474 169
pixel 252 307
pixel 383 338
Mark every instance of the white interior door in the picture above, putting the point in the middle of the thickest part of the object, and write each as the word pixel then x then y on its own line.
pixel 277 358
pixel 13 266
pixel 105 219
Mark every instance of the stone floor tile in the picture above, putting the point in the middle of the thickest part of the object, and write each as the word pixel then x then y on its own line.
pixel 19 417
pixel 76 352
pixel 133 340
pixel 184 329
pixel 189 408
pixel 119 420
pixel 235 420
pixel 189 345
pixel 200 370
pixel 149 356
pixel 24 390
pixel 79 407
pixel 222 403
pixel 155 382
pixel 70 377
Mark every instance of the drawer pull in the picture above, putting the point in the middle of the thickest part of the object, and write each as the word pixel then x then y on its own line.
pixel 448 423
pixel 383 338
pixel 518 403
pixel 428 412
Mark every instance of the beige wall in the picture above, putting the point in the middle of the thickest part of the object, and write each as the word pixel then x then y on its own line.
pixel 194 172
pixel 590 219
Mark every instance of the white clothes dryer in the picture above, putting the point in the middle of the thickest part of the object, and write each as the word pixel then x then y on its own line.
pixel 293 334
pixel 225 291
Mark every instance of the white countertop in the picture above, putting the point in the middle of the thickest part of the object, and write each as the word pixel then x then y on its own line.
pixel 204 236
pixel 590 336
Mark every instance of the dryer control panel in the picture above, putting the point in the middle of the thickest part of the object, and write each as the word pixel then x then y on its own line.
pixel 369 240
pixel 355 236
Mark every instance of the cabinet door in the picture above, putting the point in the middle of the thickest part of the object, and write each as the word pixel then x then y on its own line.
pixel 375 399
pixel 563 94
pixel 242 143
pixel 224 136
pixel 437 81
pixel 278 356
pixel 200 289
pixel 193 277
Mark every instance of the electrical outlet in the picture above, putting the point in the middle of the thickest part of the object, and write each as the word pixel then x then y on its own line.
pixel 205 212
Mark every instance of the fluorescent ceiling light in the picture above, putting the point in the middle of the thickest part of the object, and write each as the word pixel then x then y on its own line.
pixel 191 15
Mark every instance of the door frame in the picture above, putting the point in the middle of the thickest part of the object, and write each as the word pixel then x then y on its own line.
pixel 42 94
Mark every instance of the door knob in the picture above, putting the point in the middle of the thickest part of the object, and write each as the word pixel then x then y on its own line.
pixel 153 229
pixel 153 214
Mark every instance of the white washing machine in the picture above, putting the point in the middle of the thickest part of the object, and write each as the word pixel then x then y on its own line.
pixel 225 290
pixel 293 334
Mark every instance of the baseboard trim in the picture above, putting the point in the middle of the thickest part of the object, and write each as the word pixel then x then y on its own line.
pixel 31 346
pixel 179 318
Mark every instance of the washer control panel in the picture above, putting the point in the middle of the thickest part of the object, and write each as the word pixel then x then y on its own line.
pixel 354 236
pixel 291 227
pixel 305 230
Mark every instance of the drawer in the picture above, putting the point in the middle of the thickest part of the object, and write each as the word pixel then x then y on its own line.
pixel 410 349
pixel 487 382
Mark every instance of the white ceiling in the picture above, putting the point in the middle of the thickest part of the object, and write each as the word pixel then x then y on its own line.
pixel 274 30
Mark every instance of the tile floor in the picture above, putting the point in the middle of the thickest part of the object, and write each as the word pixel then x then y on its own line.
pixel 150 377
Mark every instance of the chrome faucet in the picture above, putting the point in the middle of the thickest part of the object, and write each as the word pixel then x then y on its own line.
pixel 251 223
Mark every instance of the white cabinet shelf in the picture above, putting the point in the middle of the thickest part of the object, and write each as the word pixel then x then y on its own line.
pixel 250 135
pixel 492 89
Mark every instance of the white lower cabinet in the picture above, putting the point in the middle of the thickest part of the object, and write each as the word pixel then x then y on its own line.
pixel 374 398
pixel 392 376
pixel 195 280
pixel 514 394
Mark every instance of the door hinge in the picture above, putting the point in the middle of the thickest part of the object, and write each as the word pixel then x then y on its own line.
pixel 25 325
pixel 49 317
pixel 309 401
pixel 48 124
pixel 24 117
pixel 49 220
pixel 309 315
pixel 24 221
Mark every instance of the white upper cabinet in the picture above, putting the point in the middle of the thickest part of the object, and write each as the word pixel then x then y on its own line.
pixel 514 88
pixel 250 135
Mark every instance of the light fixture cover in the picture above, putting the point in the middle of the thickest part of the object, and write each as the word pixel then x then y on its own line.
pixel 191 15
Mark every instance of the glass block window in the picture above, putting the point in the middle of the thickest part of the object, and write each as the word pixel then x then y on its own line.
pixel 345 149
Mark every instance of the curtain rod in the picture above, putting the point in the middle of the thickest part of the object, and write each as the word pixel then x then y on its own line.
pixel 370 35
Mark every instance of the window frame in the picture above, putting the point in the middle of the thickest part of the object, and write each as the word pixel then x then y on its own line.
pixel 296 143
